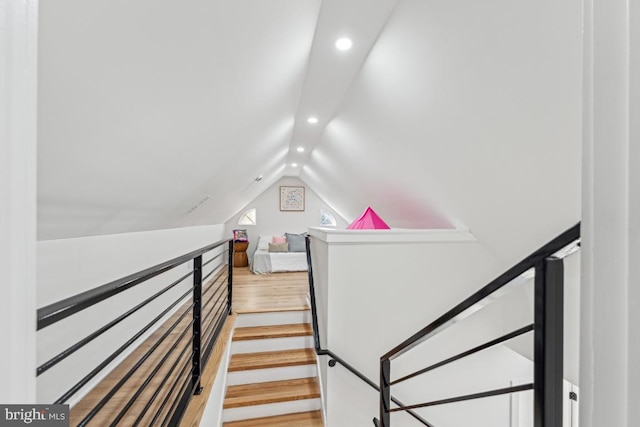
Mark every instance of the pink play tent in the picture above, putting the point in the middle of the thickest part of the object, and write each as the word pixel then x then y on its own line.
pixel 369 220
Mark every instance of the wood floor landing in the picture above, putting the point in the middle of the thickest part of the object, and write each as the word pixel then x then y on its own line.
pixel 259 293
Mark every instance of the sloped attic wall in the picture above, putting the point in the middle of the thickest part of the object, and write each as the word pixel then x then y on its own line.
pixel 472 109
pixel 271 221
pixel 147 107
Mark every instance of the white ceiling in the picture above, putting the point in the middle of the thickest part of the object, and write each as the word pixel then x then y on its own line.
pixel 444 113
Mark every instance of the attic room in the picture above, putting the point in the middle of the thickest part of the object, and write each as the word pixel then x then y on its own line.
pixel 137 131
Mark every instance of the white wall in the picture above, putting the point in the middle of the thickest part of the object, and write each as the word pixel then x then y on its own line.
pixel 18 66
pixel 610 341
pixel 379 293
pixel 272 221
pixel 376 288
pixel 69 266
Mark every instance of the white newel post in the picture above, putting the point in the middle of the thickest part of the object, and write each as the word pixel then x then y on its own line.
pixel 18 121
pixel 610 306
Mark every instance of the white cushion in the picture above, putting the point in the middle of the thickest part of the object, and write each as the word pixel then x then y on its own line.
pixel 263 243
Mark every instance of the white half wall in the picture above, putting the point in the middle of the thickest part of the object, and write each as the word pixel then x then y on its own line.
pixel 70 266
pixel 18 121
pixel 272 221
pixel 212 415
pixel 373 292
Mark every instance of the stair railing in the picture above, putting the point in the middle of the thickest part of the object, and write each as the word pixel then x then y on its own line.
pixel 333 357
pixel 547 263
pixel 202 318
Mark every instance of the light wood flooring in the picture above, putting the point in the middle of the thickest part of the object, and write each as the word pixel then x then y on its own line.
pixel 256 293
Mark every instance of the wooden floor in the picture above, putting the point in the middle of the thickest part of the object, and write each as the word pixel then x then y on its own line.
pixel 255 293
pixel 251 294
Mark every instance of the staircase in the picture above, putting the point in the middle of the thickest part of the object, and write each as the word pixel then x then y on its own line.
pixel 272 376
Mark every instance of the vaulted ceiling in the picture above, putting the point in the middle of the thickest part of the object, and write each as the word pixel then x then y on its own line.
pixel 443 113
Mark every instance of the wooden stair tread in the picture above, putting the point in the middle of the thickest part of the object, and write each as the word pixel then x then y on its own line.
pixel 273 331
pixel 272 359
pixel 271 309
pixel 300 419
pixel 271 392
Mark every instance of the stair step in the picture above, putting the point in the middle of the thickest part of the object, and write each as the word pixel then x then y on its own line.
pixel 301 419
pixel 278 317
pixel 252 376
pixel 271 392
pixel 272 359
pixel 273 331
pixel 272 344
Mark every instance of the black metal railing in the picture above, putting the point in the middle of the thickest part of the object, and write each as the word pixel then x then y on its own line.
pixel 333 357
pixel 181 350
pixel 547 331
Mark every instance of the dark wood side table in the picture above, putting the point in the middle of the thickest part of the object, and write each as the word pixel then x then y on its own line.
pixel 240 258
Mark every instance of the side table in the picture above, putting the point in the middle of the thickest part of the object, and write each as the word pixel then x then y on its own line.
pixel 240 258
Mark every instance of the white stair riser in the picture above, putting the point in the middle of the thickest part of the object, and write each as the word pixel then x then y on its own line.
pixel 271 344
pixel 272 374
pixel 273 318
pixel 271 409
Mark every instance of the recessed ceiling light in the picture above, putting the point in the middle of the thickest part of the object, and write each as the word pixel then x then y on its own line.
pixel 300 149
pixel 312 120
pixel 294 165
pixel 344 43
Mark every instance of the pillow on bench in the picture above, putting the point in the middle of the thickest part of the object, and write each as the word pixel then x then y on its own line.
pixel 296 242
pixel 278 247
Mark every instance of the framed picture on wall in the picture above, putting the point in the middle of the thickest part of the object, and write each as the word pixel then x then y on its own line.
pixel 292 199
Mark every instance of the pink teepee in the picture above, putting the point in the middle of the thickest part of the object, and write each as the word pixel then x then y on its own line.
pixel 367 221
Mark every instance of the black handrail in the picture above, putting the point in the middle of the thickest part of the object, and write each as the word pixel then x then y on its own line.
pixel 208 316
pixel 334 358
pixel 464 354
pixel 505 278
pixel 62 309
pixel 312 297
pixel 548 337
pixel 77 346
pixel 73 390
pixel 498 392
